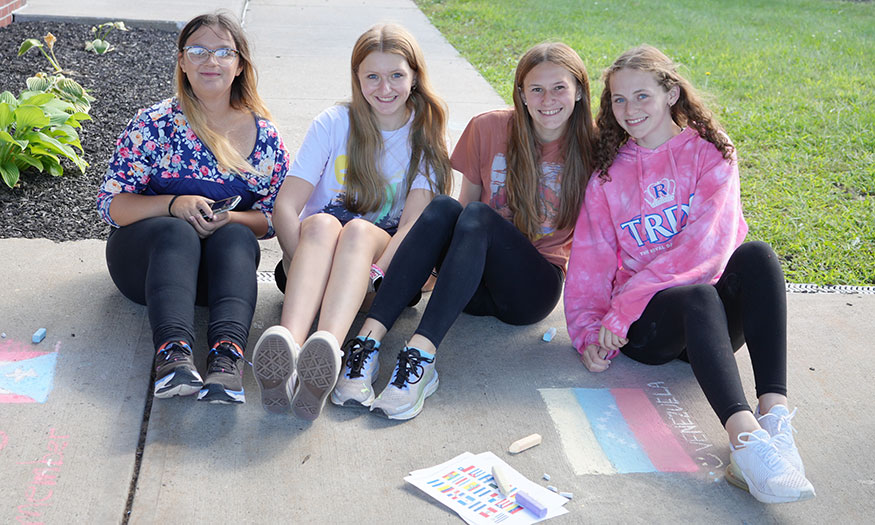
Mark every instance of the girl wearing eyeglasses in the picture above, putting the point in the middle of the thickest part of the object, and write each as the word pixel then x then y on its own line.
pixel 501 249
pixel 168 250
pixel 364 173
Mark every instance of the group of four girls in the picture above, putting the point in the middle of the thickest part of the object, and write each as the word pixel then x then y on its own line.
pixel 656 268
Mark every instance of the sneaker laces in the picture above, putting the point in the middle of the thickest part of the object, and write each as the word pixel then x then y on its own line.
pixel 409 360
pixel 355 354
pixel 222 358
pixel 175 351
pixel 763 447
pixel 785 429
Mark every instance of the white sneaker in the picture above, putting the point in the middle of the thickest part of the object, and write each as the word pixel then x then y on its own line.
pixel 757 466
pixel 273 363
pixel 355 387
pixel 318 366
pixel 415 378
pixel 777 423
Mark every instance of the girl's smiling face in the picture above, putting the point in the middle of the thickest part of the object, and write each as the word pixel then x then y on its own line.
pixel 214 76
pixel 550 92
pixel 642 107
pixel 386 81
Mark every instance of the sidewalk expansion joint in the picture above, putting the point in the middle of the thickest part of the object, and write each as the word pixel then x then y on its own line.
pixel 264 276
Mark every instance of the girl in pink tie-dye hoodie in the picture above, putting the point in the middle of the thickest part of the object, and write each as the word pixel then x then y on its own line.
pixel 658 270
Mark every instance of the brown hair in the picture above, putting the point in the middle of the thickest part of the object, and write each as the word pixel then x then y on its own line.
pixel 689 110
pixel 365 187
pixel 243 90
pixel 523 162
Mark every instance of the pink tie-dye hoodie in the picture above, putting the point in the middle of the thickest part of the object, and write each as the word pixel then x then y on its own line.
pixel 669 216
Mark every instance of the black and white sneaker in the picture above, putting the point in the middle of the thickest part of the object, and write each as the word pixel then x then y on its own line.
pixel 355 386
pixel 175 373
pixel 224 383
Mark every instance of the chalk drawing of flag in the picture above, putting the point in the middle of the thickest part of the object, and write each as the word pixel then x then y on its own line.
pixel 26 376
pixel 614 431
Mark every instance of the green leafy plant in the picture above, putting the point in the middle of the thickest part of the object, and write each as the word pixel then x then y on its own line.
pixel 61 86
pixel 64 88
pixel 36 130
pixel 99 45
pixel 50 39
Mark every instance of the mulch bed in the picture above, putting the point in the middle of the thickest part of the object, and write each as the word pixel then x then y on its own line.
pixel 138 73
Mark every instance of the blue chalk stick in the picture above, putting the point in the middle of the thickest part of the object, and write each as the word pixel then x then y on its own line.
pixel 531 504
pixel 39 335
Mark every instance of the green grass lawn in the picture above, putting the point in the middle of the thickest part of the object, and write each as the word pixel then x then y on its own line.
pixel 792 81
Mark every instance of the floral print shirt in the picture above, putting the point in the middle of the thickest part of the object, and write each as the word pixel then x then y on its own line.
pixel 159 154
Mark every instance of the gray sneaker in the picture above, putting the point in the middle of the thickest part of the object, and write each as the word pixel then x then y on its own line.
pixel 355 387
pixel 318 367
pixel 273 363
pixel 415 378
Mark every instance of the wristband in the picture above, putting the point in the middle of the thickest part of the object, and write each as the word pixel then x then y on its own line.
pixel 376 278
pixel 170 205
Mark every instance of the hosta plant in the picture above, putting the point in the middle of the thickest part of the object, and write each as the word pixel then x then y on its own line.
pixel 63 87
pixel 100 44
pixel 36 130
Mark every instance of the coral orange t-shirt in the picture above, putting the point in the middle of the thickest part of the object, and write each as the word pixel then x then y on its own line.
pixel 481 157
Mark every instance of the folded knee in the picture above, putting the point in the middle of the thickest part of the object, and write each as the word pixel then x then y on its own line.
pixel 320 226
pixel 442 209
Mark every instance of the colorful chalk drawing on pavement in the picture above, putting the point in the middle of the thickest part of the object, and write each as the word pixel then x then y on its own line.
pixel 623 430
pixel 26 375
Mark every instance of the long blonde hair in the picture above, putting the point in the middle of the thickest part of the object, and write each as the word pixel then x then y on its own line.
pixel 689 110
pixel 523 162
pixel 365 187
pixel 243 91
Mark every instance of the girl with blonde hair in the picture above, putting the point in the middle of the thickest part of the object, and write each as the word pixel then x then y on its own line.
pixel 168 249
pixel 362 176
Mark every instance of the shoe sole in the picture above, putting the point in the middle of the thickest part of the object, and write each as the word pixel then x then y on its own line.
pixel 216 393
pixel 414 411
pixel 352 403
pixel 273 364
pixel 318 369
pixel 180 382
pixel 735 476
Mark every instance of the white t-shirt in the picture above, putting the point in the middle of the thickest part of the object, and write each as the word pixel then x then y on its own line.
pixel 322 162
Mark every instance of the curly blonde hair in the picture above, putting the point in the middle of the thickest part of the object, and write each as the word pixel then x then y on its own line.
pixel 689 110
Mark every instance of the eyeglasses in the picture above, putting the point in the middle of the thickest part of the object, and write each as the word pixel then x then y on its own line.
pixel 200 54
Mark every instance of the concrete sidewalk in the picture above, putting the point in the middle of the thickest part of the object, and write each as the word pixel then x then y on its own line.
pixel 72 456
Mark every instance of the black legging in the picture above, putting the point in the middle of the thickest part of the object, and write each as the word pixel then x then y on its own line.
pixel 486 267
pixel 706 324
pixel 162 263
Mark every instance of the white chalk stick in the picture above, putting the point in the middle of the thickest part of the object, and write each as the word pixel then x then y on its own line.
pixel 546 477
pixel 524 444
pixel 551 488
pixel 501 480
pixel 567 495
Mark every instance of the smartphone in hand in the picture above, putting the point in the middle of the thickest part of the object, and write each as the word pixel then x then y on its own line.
pixel 223 205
